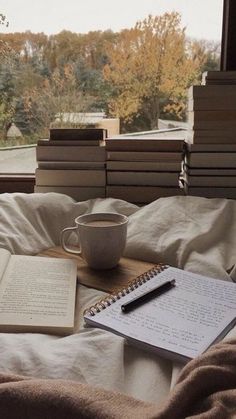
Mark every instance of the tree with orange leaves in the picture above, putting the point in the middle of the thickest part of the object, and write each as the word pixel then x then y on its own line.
pixel 149 69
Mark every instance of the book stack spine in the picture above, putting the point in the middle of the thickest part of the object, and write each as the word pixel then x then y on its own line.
pixel 72 162
pixel 142 170
pixel 210 159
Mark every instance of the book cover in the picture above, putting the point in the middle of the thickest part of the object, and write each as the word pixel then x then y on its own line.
pixel 219 82
pixel 206 133
pixel 143 178
pixel 144 156
pixel 144 166
pixel 88 143
pixel 224 116
pixel 210 172
pixel 68 165
pixel 213 124
pixel 147 144
pixel 213 180
pixel 212 104
pixel 215 160
pixel 224 147
pixel 211 136
pixel 72 153
pixel 58 134
pixel 70 177
pixel 218 77
pixel 211 91
pixel 219 74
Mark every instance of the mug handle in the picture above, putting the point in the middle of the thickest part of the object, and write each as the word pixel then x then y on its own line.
pixel 63 239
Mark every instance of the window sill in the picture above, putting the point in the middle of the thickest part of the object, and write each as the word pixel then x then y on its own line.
pixel 17 182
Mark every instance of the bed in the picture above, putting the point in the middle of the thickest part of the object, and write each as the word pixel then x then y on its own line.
pixel 93 373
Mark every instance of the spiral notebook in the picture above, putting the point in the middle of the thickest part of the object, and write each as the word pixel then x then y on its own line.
pixel 179 324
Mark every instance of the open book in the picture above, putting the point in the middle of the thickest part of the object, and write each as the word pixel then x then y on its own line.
pixel 179 324
pixel 37 294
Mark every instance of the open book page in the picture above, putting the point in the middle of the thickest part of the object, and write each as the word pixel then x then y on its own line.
pixel 185 320
pixel 4 259
pixel 38 292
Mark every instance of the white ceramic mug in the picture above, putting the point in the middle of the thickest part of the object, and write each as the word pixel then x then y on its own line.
pixel 101 237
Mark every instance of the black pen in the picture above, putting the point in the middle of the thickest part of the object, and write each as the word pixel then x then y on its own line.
pixel 147 296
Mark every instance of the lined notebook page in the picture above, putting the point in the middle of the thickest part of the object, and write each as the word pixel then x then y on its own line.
pixel 185 320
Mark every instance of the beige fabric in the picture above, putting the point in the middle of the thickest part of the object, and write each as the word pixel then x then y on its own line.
pixel 206 389
pixel 196 234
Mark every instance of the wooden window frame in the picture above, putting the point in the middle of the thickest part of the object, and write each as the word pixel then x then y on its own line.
pixel 228 40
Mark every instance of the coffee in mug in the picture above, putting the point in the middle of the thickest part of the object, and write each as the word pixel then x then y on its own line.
pixel 101 237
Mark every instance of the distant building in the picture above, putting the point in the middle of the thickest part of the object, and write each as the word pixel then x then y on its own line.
pixel 89 119
pixel 14 132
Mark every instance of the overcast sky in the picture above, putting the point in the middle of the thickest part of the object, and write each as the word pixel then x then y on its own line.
pixel 202 18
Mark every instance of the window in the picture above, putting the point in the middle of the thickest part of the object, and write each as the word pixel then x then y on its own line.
pixel 100 64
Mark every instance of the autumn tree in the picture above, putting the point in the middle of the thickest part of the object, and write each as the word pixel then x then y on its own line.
pixel 7 57
pixel 205 53
pixel 53 100
pixel 149 67
pixel 3 44
pixel 137 74
pixel 18 80
pixel 65 93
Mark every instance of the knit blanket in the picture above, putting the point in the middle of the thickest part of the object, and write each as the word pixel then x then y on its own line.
pixel 206 389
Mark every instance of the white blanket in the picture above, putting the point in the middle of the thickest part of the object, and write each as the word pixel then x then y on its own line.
pixel 196 234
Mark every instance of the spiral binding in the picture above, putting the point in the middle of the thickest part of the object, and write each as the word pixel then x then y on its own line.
pixel 132 285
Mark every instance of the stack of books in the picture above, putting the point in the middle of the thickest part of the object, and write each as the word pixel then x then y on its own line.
pixel 143 168
pixel 210 160
pixel 218 77
pixel 72 161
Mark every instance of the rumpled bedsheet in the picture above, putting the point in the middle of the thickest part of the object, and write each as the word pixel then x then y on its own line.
pixel 196 234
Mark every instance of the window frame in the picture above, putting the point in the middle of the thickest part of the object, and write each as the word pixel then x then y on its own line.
pixel 228 39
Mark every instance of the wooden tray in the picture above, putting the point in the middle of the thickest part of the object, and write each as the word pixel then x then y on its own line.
pixel 104 280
